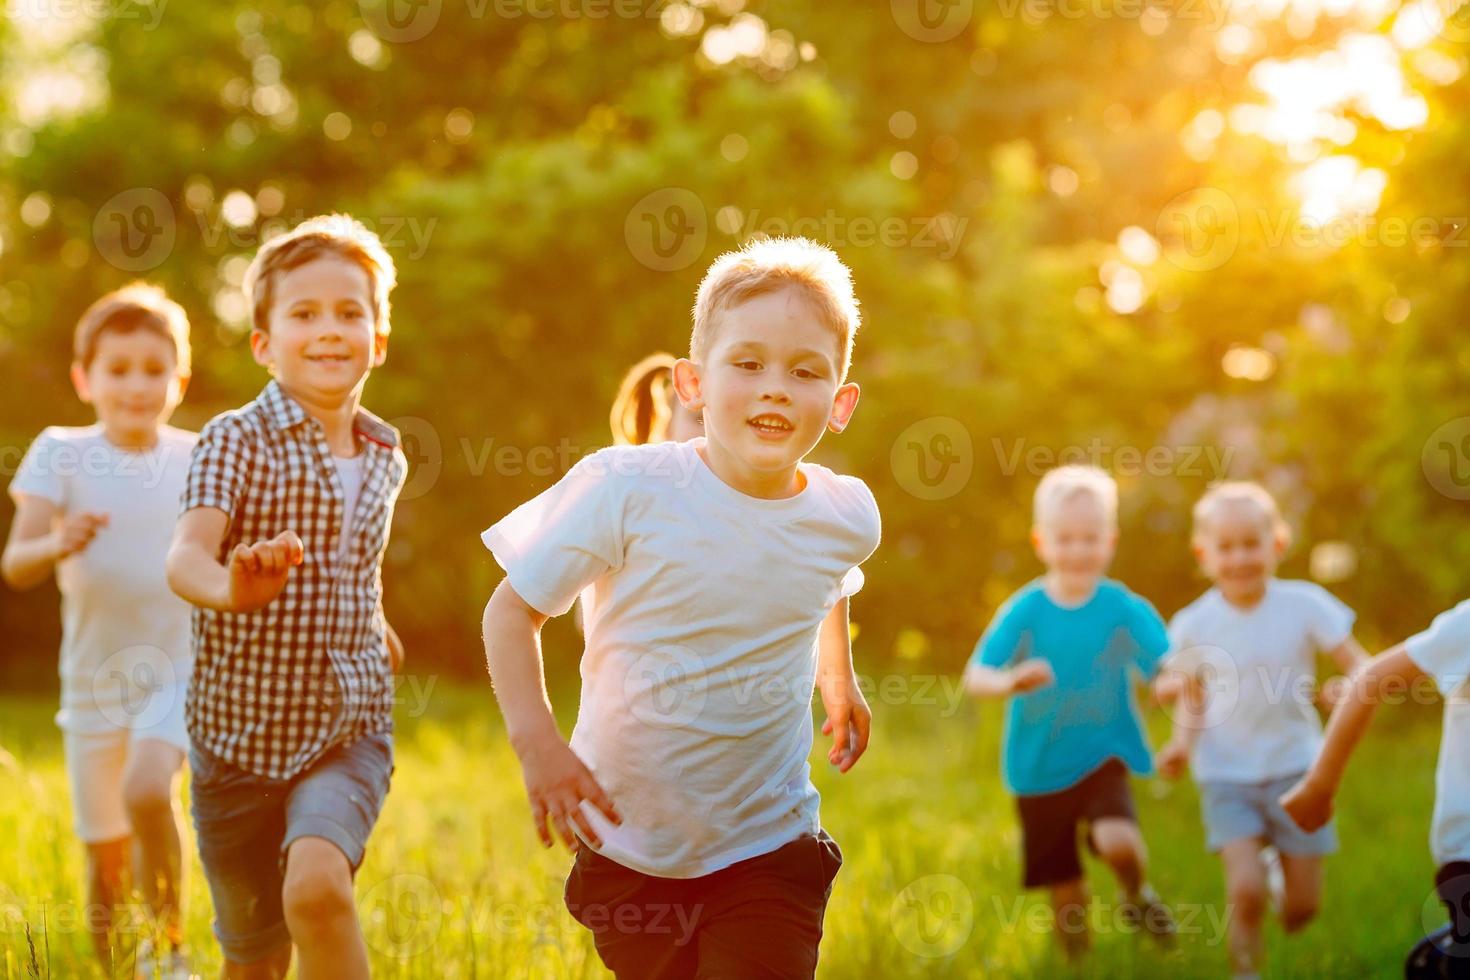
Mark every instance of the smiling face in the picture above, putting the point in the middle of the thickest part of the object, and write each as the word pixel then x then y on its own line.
pixel 767 390
pixel 133 382
pixel 322 339
pixel 1076 540
pixel 1238 549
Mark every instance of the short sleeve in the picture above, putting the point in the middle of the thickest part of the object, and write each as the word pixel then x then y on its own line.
pixel 1329 619
pixel 218 466
pixel 868 532
pixel 39 474
pixel 1149 634
pixel 559 542
pixel 1001 644
pixel 1183 654
pixel 1443 650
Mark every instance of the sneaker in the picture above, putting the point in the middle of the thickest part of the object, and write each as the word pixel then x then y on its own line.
pixel 149 964
pixel 1275 878
pixel 1149 913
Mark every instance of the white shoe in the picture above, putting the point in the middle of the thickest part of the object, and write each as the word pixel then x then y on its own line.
pixel 1275 878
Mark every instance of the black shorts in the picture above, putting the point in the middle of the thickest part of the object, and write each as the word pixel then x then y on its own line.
pixel 1050 821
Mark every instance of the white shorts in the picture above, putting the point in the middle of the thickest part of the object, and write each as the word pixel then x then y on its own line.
pixel 97 761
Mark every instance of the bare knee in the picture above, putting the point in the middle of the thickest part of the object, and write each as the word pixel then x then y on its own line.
pixel 1297 912
pixel 149 798
pixel 316 895
pixel 1248 899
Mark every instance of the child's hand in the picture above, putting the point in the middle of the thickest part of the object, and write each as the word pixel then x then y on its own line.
pixel 1172 760
pixel 557 782
pixel 1031 674
pixel 75 532
pixel 849 721
pixel 1171 685
pixel 258 572
pixel 1308 803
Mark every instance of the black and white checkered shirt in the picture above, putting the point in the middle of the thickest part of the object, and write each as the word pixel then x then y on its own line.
pixel 273 689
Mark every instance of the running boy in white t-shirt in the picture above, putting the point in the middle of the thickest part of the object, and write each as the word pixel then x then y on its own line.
pixel 1249 724
pixel 712 565
pixel 1442 652
pixel 96 505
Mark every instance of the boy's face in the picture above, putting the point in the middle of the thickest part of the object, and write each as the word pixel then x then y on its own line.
pixel 1238 550
pixel 1076 540
pixel 322 341
pixel 133 383
pixel 769 386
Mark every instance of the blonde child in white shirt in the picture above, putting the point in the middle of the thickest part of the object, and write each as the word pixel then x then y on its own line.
pixel 1248 725
pixel 712 566
pixel 96 506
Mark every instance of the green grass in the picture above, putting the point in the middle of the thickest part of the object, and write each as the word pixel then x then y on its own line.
pixel 455 886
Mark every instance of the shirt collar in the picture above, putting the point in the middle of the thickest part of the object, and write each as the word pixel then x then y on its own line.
pixel 285 412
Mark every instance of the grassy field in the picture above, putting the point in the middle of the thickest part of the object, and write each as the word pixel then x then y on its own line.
pixel 454 885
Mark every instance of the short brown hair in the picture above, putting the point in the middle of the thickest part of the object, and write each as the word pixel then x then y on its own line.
pixel 765 265
pixel 335 234
pixel 136 306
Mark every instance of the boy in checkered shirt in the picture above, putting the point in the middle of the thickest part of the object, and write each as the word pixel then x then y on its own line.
pixel 279 547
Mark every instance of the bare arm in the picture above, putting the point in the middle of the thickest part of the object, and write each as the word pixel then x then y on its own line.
pixel 250 579
pixel 41 536
pixel 990 682
pixel 1310 801
pixel 557 781
pixel 849 719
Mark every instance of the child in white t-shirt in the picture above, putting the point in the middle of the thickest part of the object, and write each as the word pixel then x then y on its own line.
pixel 1442 653
pixel 710 567
pixel 96 505
pixel 1248 722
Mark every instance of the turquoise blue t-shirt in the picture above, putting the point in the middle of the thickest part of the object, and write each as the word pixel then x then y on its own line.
pixel 1056 735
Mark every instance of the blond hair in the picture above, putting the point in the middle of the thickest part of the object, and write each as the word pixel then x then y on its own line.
pixel 641 411
pixel 1065 482
pixel 766 265
pixel 328 234
pixel 136 306
pixel 1241 492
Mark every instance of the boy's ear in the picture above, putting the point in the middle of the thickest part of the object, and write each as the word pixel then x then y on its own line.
pixel 686 384
pixel 843 405
pixel 380 348
pixel 79 382
pixel 260 347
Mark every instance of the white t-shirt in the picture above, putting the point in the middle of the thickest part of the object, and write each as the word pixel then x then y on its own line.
pixel 702 619
pixel 1443 652
pixel 123 631
pixel 349 472
pixel 1259 669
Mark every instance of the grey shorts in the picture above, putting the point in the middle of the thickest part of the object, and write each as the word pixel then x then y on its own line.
pixel 242 820
pixel 1233 811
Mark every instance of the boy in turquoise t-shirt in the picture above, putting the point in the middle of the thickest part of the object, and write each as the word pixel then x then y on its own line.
pixel 1066 646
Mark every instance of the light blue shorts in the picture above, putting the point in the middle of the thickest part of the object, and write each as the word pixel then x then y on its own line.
pixel 1233 811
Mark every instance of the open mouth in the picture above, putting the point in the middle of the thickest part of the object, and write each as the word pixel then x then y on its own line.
pixel 771 426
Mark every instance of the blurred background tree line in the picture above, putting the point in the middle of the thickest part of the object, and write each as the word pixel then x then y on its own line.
pixel 1184 239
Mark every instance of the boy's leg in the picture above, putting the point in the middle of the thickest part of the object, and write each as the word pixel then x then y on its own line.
pixel 1303 876
pixel 1119 843
pixel 1069 915
pixel 107 888
pixel 1050 860
pixel 239 820
pixel 94 767
pixel 152 804
pixel 763 916
pixel 330 812
pixel 317 900
pixel 1245 895
pixel 644 927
